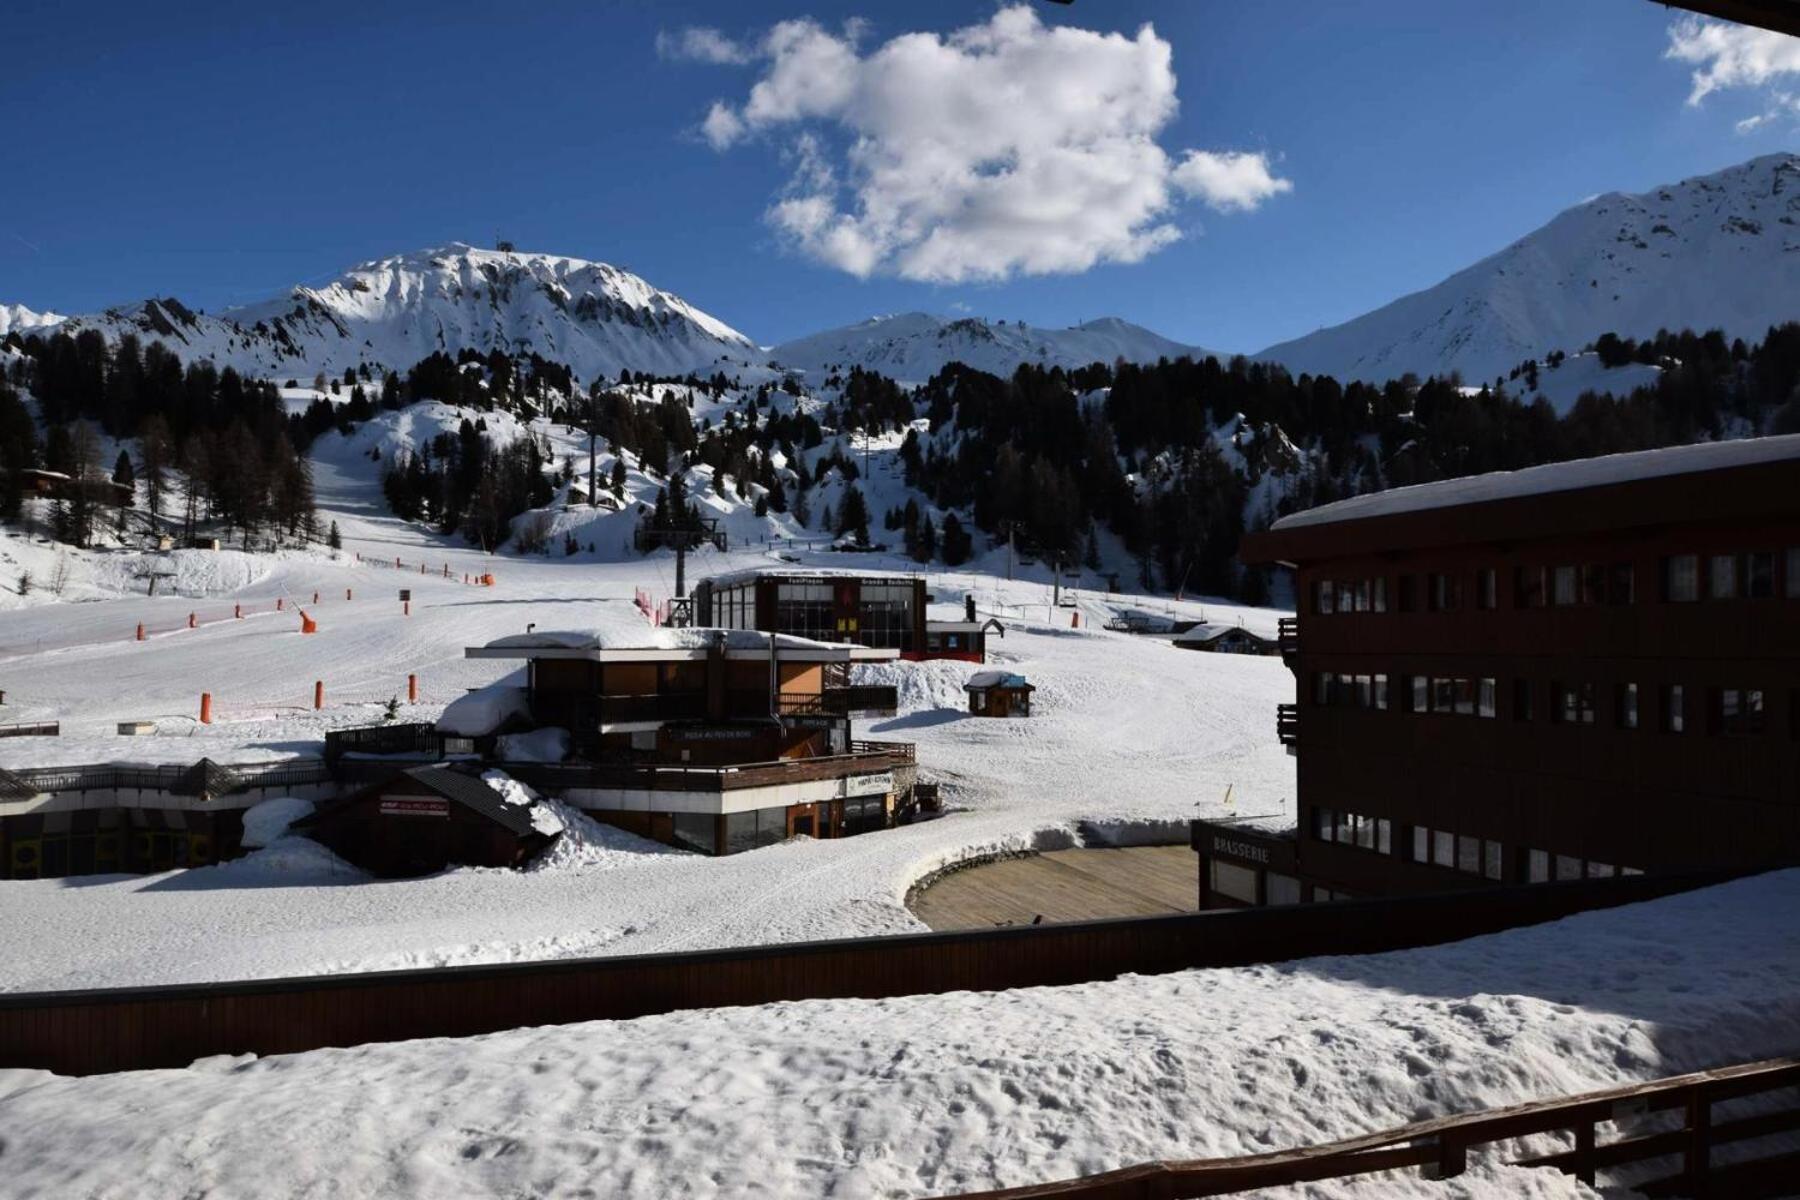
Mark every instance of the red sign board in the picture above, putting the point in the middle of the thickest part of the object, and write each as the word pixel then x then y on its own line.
pixel 414 806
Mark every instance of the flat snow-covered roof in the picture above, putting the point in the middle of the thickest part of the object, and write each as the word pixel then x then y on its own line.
pixel 1551 477
pixel 751 573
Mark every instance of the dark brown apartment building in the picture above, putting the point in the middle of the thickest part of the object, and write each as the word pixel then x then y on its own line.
pixel 1574 670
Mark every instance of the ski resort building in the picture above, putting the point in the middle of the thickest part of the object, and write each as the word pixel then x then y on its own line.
pixel 1576 670
pixel 716 740
pixel 879 610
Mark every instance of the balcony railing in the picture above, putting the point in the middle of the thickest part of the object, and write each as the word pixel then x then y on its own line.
pixel 865 758
pixel 880 698
pixel 1287 724
pixel 1287 636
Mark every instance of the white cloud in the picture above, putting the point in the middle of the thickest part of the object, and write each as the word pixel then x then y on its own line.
pixel 1229 181
pixel 1726 55
pixel 700 43
pixel 1003 148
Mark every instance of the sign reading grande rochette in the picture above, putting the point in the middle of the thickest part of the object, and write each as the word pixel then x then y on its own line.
pixel 414 806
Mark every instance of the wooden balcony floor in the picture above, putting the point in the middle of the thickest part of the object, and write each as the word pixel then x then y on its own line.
pixel 1063 885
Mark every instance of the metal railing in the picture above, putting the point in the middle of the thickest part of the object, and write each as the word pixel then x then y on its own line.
pixel 243 776
pixel 1287 724
pixel 862 697
pixel 864 758
pixel 419 737
pixel 1443 1144
pixel 32 729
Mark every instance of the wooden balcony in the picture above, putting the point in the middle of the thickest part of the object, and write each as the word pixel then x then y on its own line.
pixel 1287 638
pixel 1287 725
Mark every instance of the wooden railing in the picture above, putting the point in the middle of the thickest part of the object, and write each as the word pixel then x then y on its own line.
pixel 1287 635
pixel 1287 724
pixel 1442 1145
pixel 862 697
pixel 864 758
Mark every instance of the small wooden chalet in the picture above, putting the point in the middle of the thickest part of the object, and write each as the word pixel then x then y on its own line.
pixel 426 819
pixel 999 694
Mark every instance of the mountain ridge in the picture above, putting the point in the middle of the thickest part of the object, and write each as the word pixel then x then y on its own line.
pixel 1713 251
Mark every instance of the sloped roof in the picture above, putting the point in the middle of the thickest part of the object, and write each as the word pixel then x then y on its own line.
pixel 981 681
pixel 469 791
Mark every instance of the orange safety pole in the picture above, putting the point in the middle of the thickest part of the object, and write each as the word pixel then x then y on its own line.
pixel 1074 620
pixel 318 693
pixel 396 562
pixel 315 597
pixel 206 708
pixel 412 689
pixel 406 608
pixel 237 610
pixel 192 623
pixel 307 624
pixel 140 631
pixel 279 602
pixel 346 593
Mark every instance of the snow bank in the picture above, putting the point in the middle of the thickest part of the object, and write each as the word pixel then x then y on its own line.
pixel 268 820
pixel 589 845
pixel 550 745
pixel 287 857
pixel 488 709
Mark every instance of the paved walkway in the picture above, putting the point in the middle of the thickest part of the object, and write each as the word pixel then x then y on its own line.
pixel 1063 885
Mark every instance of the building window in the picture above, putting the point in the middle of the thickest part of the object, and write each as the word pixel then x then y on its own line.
pixel 1487 589
pixel 1231 881
pixel 1484 697
pixel 1443 848
pixel 1722 577
pixel 1622 587
pixel 1465 697
pixel 1323 823
pixel 1793 573
pixel 1674 708
pixel 1281 889
pixel 1468 855
pixel 1522 700
pixel 1681 578
pixel 1421 694
pixel 1572 703
pixel 1537 866
pixel 1322 687
pixel 1381 692
pixel 1759 575
pixel 1528 587
pixel 1421 848
pixel 1740 711
pixel 1563 586
pixel 1491 859
pixel 1599 870
pixel 1384 835
pixel 1324 598
pixel 1446 593
pixel 1568 867
pixel 1380 593
pixel 1443 695
pixel 1346 596
pixel 1627 705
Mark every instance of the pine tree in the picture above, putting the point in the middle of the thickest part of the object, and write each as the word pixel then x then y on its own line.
pixel 334 539
pixel 125 477
pixel 957 544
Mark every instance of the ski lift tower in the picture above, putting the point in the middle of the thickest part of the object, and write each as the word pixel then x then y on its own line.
pixel 704 531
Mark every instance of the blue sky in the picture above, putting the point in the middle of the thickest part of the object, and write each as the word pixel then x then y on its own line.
pixel 223 152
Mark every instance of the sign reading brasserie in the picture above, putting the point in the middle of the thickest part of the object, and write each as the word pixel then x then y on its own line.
pixel 1232 848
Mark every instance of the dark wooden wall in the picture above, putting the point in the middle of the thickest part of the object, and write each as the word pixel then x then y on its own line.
pixel 78 1033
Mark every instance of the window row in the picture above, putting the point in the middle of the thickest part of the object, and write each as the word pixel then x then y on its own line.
pixel 1350 595
pixel 1354 829
pixel 1729 711
pixel 1751 575
pixel 1754 574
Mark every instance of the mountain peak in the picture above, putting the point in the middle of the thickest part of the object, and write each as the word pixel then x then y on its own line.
pixel 1712 251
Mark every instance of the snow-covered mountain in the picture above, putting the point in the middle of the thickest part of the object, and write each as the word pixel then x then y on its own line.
pixel 1715 251
pixel 16 317
pixel 912 347
pixel 595 318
